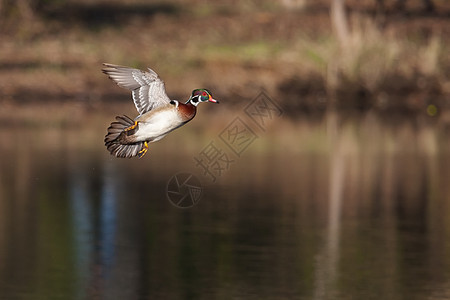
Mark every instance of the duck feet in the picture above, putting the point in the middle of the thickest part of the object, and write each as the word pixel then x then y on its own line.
pixel 132 126
pixel 143 150
pixel 132 129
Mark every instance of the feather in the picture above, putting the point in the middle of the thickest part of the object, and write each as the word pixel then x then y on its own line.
pixel 147 89
pixel 118 143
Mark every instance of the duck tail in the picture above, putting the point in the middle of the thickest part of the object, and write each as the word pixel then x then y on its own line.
pixel 116 139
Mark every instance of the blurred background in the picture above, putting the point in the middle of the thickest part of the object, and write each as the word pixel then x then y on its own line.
pixel 342 194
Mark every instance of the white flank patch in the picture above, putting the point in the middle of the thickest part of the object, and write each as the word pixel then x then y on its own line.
pixel 158 125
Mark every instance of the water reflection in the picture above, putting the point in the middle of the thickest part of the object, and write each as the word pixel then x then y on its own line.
pixel 341 208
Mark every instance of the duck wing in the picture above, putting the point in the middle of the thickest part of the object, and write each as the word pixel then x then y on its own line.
pixel 147 89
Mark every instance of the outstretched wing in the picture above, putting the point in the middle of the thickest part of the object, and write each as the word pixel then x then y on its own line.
pixel 147 88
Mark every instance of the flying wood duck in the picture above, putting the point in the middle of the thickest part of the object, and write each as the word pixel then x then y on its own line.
pixel 158 115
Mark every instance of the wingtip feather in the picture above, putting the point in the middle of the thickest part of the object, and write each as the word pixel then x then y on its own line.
pixel 147 88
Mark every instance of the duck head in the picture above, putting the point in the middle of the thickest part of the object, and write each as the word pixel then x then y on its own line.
pixel 201 95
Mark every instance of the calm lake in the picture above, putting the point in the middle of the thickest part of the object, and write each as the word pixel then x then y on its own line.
pixel 341 207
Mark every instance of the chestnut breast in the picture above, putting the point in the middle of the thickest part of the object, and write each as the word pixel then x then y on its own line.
pixel 186 111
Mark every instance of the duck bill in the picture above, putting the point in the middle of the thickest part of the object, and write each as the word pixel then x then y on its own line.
pixel 213 100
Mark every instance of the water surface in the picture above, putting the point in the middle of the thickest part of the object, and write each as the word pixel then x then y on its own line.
pixel 339 208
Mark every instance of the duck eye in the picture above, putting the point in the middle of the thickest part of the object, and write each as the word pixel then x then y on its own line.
pixel 204 94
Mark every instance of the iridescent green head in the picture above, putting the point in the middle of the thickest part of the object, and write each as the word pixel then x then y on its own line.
pixel 201 95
